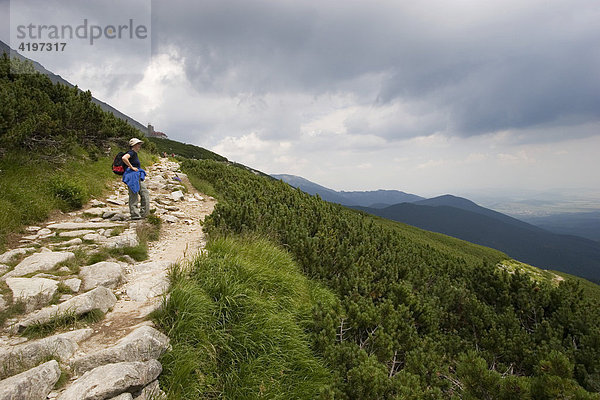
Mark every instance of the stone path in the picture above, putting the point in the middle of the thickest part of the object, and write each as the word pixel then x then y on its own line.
pixel 116 357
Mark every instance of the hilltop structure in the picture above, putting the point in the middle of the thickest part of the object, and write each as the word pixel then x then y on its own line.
pixel 157 134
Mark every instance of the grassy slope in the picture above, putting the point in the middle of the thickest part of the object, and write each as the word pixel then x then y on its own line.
pixel 237 322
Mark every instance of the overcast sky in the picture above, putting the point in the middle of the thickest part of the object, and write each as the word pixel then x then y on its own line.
pixel 427 97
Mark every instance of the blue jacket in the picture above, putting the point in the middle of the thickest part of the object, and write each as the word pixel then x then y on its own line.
pixel 132 178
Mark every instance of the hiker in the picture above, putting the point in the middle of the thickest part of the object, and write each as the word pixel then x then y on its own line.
pixel 134 176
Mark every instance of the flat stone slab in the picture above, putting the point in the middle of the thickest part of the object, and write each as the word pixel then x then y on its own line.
pixel 83 225
pixel 95 237
pixel 116 201
pixel 72 242
pixel 147 286
pixel 104 273
pixel 126 239
pixel 151 267
pixel 6 257
pixel 77 233
pixel 100 298
pixel 30 353
pixel 143 344
pixel 43 261
pixel 33 292
pixel 112 380
pixel 177 195
pixel 170 219
pixel 34 384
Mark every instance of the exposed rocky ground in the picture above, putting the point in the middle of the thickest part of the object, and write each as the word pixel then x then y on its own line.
pixel 114 357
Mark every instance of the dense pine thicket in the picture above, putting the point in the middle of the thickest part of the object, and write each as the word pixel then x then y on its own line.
pixel 417 317
pixel 51 119
pixel 184 150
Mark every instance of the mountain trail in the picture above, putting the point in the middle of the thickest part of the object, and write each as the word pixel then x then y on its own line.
pixel 48 276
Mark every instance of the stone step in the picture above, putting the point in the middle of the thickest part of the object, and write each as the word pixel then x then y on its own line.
pixel 111 380
pixel 43 261
pixel 33 384
pixel 100 298
pixel 143 344
pixel 26 355
pixel 32 292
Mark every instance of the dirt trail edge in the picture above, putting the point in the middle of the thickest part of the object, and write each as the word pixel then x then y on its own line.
pixel 116 356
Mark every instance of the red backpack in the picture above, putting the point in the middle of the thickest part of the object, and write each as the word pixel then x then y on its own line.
pixel 118 166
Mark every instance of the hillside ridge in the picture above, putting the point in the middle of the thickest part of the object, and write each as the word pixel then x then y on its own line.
pixel 4 48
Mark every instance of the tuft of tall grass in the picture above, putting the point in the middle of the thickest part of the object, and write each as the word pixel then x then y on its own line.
pixel 202 186
pixel 237 319
pixel 61 322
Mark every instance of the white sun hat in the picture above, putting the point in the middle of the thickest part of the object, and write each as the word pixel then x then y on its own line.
pixel 134 141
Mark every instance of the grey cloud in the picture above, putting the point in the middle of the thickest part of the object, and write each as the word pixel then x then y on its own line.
pixel 513 70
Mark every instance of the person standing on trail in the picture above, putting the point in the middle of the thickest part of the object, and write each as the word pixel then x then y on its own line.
pixel 134 178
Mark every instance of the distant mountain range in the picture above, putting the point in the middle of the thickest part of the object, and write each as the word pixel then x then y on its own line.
pixel 4 48
pixel 584 224
pixel 463 219
pixel 375 199
pixel 522 241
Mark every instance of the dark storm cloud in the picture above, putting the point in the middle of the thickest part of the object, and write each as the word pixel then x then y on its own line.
pixel 484 70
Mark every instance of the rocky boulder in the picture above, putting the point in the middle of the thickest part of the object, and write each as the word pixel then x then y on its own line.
pixel 43 261
pixel 73 283
pixel 151 392
pixel 34 384
pixel 33 292
pixel 8 256
pixel 28 354
pixel 100 298
pixel 104 273
pixel 143 344
pixel 124 396
pixel 112 380
pixel 127 239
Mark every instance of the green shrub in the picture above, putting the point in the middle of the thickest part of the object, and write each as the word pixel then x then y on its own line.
pixel 71 193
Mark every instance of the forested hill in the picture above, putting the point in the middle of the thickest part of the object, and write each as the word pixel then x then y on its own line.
pixel 571 254
pixel 418 315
